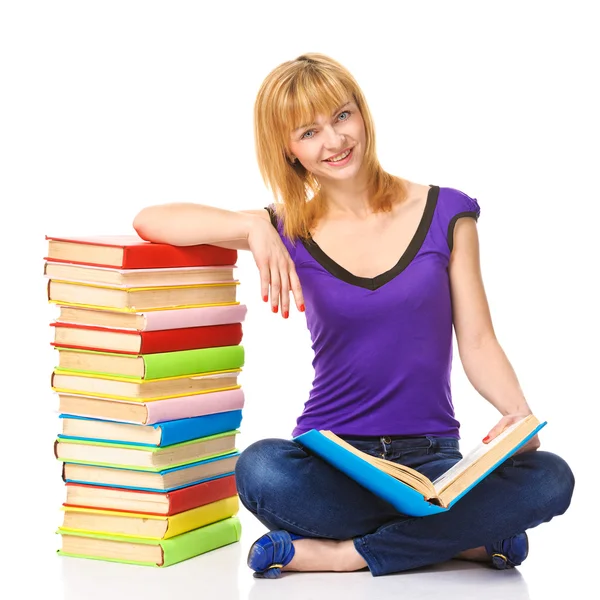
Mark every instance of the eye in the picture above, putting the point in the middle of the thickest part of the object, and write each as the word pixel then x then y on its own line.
pixel 345 112
pixel 305 135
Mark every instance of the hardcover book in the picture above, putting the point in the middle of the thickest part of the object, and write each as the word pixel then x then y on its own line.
pixel 104 339
pixel 165 480
pixel 171 318
pixel 149 413
pixel 141 525
pixel 132 252
pixel 154 503
pixel 160 365
pixel 409 491
pixel 160 434
pixel 137 277
pixel 137 389
pixel 151 458
pixel 141 298
pixel 156 553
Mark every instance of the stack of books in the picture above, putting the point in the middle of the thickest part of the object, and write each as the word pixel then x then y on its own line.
pixel 149 349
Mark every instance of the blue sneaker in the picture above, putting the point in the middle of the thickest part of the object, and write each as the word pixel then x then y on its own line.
pixel 510 552
pixel 271 552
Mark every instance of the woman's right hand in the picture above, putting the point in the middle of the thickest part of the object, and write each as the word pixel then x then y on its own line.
pixel 277 271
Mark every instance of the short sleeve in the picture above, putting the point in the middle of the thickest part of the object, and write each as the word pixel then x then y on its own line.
pixel 277 222
pixel 454 205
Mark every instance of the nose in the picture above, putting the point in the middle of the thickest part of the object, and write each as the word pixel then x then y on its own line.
pixel 332 139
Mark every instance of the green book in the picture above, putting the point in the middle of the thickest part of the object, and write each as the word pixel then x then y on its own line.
pixel 145 552
pixel 152 366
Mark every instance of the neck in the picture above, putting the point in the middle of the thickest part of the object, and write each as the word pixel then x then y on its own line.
pixel 346 198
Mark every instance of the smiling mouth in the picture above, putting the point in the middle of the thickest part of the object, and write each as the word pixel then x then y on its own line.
pixel 338 157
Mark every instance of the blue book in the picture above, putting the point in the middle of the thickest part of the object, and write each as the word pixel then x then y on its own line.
pixel 162 434
pixel 407 490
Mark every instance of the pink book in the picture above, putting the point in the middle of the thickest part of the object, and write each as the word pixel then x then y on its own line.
pixel 194 317
pixel 149 413
pixel 155 320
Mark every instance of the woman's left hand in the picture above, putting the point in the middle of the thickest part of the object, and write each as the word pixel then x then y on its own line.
pixel 507 421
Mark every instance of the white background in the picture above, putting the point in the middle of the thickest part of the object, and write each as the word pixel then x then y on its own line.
pixel 106 107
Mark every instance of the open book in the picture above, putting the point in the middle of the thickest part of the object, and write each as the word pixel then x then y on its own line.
pixel 409 491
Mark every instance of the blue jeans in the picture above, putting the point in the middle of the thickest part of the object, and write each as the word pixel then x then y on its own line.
pixel 287 487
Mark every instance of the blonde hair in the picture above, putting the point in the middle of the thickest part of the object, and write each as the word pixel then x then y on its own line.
pixel 294 93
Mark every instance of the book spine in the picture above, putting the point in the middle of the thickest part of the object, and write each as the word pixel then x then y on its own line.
pixel 201 540
pixel 171 432
pixel 166 340
pixel 190 338
pixel 183 430
pixel 201 516
pixel 200 494
pixel 149 256
pixel 194 406
pixel 192 362
pixel 194 317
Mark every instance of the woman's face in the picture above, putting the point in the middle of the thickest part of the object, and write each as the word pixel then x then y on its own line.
pixel 332 148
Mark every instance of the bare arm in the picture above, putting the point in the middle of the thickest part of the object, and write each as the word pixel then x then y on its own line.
pixel 486 365
pixel 187 224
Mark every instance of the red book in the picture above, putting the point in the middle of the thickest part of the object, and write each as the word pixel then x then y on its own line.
pixel 122 341
pixel 152 503
pixel 132 252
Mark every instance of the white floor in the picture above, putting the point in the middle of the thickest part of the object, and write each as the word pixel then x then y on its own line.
pixel 559 557
pixel 563 552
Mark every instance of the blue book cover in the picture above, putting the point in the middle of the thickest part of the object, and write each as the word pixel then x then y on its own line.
pixel 400 495
pixel 174 432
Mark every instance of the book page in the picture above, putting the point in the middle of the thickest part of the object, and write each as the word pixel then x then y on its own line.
pixel 413 478
pixel 473 456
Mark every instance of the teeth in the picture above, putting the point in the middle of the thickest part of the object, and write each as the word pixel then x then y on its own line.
pixel 342 157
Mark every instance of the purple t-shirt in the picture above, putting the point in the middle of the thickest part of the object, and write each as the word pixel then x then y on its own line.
pixel 383 345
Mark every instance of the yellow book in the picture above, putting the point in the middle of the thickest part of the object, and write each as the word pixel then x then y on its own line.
pixel 144 525
pixel 136 389
pixel 134 299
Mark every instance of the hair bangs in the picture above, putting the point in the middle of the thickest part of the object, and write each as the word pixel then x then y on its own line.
pixel 310 93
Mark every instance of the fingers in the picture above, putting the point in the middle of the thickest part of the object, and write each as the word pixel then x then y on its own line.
pixel 296 289
pixel 275 288
pixel 500 427
pixel 284 293
pixel 489 437
pixel 494 431
pixel 265 281
pixel 282 279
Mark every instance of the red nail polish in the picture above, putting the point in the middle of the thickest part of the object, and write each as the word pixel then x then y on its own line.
pixel 302 308
pixel 286 314
pixel 486 439
pixel 275 309
pixel 265 298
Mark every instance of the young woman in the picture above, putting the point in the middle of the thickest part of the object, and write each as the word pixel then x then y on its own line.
pixel 384 268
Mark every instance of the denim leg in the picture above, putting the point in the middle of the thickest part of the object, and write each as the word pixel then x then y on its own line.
pixel 526 490
pixel 287 487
